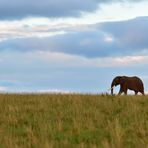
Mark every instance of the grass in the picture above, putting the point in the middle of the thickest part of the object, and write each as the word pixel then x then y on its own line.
pixel 70 121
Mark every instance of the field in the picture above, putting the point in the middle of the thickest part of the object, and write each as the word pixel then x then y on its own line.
pixel 70 121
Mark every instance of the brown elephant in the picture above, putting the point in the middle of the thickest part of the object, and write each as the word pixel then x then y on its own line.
pixel 132 83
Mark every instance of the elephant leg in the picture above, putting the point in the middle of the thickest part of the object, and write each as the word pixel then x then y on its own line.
pixel 136 92
pixel 120 91
pixel 125 91
pixel 142 92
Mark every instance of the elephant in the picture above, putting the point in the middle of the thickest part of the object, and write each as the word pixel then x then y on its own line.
pixel 132 83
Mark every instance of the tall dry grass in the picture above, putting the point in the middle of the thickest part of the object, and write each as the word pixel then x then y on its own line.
pixel 46 121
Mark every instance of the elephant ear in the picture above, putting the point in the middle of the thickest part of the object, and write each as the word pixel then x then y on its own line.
pixel 122 80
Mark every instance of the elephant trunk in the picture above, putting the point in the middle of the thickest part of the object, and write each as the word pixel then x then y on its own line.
pixel 112 87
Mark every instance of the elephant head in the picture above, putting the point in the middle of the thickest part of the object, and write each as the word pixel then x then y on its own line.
pixel 119 80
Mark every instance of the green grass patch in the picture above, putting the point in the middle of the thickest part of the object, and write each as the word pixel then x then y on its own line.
pixel 40 121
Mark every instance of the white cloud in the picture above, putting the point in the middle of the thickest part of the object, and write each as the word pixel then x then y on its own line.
pixel 24 29
pixel 3 89
pixel 54 91
pixel 132 60
pixel 67 60
pixel 108 39
pixel 116 12
pixel 40 27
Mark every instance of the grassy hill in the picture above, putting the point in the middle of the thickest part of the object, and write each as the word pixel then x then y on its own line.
pixel 42 121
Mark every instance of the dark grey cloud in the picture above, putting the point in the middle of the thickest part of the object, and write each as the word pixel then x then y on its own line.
pixel 47 8
pixel 129 38
pixel 89 44
pixel 16 9
pixel 131 34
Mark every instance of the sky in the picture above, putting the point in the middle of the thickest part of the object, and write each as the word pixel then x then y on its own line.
pixel 71 46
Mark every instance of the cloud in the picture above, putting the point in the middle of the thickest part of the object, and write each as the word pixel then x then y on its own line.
pixel 123 38
pixel 89 44
pixel 47 59
pixel 19 29
pixel 131 34
pixel 45 8
pixel 54 91
pixel 3 89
